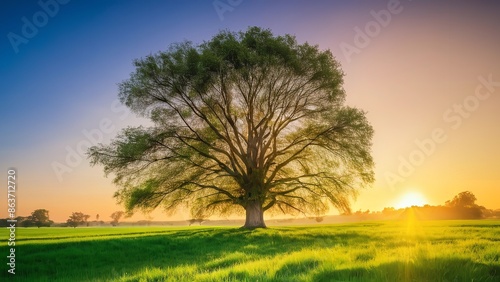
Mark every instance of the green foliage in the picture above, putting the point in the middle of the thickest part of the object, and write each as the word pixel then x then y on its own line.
pixel 367 251
pixel 116 216
pixel 245 117
pixel 41 218
pixel 463 200
pixel 77 218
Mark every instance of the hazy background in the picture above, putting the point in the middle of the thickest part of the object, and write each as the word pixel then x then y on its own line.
pixel 410 74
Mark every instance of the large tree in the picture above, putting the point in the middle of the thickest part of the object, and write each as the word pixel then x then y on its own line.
pixel 246 122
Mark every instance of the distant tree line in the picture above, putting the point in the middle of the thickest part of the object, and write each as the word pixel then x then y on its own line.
pixel 462 206
pixel 40 218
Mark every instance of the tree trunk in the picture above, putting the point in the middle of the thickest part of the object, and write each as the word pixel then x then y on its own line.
pixel 254 215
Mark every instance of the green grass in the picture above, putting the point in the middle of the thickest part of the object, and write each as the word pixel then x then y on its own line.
pixel 367 251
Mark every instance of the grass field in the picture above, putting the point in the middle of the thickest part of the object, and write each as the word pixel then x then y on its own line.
pixel 367 251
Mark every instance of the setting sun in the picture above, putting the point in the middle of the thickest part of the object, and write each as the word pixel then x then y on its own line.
pixel 411 199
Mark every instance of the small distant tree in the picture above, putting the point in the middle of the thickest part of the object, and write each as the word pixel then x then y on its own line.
pixel 77 218
pixel 463 200
pixel 116 216
pixel 40 218
pixel 97 217
pixel 86 219
pixel 197 216
pixel 464 206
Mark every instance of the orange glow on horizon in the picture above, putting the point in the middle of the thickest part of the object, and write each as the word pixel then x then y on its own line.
pixel 411 199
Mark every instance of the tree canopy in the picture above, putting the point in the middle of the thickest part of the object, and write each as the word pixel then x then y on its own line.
pixel 116 216
pixel 40 217
pixel 77 218
pixel 245 122
pixel 464 199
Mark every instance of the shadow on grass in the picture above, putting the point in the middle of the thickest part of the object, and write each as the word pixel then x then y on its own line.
pixel 213 249
pixel 207 248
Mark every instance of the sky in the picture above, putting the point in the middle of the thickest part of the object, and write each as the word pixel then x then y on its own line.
pixel 426 72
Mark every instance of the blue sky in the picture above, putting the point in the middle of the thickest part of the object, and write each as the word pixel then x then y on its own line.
pixel 74 61
pixel 63 82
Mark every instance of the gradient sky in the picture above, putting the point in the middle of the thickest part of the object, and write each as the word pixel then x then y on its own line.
pixel 421 75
